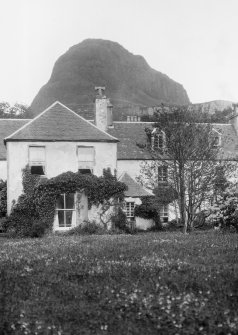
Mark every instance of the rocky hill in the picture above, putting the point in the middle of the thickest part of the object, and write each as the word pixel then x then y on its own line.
pixel 212 107
pixel 94 62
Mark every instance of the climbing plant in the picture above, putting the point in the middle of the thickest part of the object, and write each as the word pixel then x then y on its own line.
pixel 38 201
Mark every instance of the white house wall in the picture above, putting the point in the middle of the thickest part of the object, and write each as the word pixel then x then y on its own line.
pixel 132 167
pixel 60 157
pixel 3 170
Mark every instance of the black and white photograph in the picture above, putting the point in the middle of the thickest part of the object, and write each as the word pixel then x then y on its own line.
pixel 119 167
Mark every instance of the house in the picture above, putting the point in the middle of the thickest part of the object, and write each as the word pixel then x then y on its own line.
pixel 59 140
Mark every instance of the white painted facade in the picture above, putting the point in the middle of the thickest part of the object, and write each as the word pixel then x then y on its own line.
pixel 60 157
pixel 3 170
pixel 132 167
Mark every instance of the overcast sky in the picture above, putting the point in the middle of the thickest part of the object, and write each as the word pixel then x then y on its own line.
pixel 192 41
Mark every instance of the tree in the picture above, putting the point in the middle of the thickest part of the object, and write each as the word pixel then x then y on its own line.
pixel 186 157
pixel 17 111
pixel 224 212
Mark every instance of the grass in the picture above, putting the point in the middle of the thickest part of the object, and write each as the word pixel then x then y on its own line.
pixel 154 283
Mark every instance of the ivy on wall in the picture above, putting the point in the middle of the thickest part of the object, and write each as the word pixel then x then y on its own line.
pixel 35 208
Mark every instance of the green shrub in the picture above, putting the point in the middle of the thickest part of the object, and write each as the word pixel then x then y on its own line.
pixel 21 219
pixel 225 213
pixel 3 198
pixel 87 228
pixel 148 210
pixel 174 225
pixel 37 229
pixel 119 221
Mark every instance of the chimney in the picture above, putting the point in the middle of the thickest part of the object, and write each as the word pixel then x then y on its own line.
pixel 234 117
pixel 103 110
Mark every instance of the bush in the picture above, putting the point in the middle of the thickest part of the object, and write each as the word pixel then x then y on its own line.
pixel 22 217
pixel 119 221
pixel 174 225
pixel 3 198
pixel 87 228
pixel 225 213
pixel 147 210
pixel 37 229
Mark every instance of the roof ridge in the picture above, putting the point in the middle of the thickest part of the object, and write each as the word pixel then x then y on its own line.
pixel 32 120
pixel 65 107
pixel 8 119
pixel 87 121
pixel 125 175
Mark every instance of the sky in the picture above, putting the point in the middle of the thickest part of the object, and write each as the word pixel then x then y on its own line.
pixel 194 42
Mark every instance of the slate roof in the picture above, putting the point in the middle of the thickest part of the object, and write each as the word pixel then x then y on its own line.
pixel 7 127
pixel 130 134
pixel 134 189
pixel 59 123
pixel 229 141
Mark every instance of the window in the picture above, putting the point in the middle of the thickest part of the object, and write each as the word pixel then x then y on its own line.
pixel 130 206
pixel 164 213
pixel 65 209
pixel 85 171
pixel 133 118
pixel 163 173
pixel 86 159
pixel 37 160
pixel 216 141
pixel 158 140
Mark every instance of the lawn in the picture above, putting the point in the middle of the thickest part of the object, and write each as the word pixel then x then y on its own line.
pixel 154 283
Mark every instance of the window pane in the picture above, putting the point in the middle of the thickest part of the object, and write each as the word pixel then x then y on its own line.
pixel 85 154
pixel 37 169
pixel 69 201
pixel 160 141
pixel 68 217
pixel 60 202
pixel 37 154
pixel 130 209
pixel 61 218
pixel 85 171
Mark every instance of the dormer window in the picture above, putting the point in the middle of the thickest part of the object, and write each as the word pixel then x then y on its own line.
pixel 216 139
pixel 163 174
pixel 158 140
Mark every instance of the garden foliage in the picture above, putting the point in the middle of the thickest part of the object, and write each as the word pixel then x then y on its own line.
pixel 34 212
pixel 119 221
pixel 148 210
pixel 225 211
pixel 3 198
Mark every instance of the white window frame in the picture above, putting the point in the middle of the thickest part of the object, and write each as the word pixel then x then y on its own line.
pixel 163 174
pixel 129 209
pixel 65 210
pixel 164 213
pixel 86 164
pixel 39 162
pixel 157 138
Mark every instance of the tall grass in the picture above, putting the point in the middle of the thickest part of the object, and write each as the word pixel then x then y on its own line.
pixel 155 283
